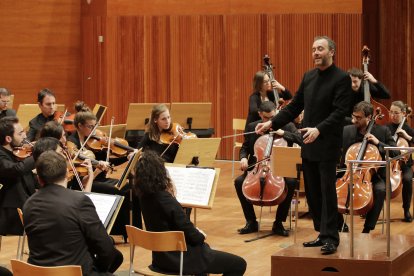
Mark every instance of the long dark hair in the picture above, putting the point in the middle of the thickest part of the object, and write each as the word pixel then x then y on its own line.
pixel 151 175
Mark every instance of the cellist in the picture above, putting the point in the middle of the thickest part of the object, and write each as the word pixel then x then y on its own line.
pixel 266 111
pixel 398 111
pixel 380 136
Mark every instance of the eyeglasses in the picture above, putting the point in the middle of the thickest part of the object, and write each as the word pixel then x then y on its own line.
pixel 89 126
pixel 395 113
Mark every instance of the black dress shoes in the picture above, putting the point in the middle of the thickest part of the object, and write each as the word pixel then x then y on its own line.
pixel 278 229
pixel 328 248
pixel 314 243
pixel 407 216
pixel 250 227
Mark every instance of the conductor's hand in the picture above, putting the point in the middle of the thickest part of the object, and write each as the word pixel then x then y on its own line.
pixel 309 134
pixel 243 164
pixel 261 128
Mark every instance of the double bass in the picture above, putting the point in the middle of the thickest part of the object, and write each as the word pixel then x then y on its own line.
pixel 367 94
pixel 268 68
pixel 261 187
pixel 362 184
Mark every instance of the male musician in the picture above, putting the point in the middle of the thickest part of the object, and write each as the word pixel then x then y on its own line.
pixel 376 89
pixel 247 160
pixel 381 137
pixel 47 104
pixel 325 94
pixel 15 175
pixel 4 102
pixel 63 227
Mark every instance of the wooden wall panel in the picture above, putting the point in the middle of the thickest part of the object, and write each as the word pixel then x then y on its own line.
pixel 40 47
pixel 211 58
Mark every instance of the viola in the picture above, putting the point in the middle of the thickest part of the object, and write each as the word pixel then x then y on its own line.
pixel 262 187
pixel 99 141
pixel 67 121
pixel 175 134
pixel 362 175
pixel 367 94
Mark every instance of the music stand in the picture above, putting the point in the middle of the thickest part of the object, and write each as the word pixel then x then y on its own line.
pixel 11 101
pixel 203 150
pixel 99 111
pixel 195 117
pixel 117 130
pixel 287 162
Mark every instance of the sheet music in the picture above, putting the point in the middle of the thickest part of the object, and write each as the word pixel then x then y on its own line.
pixel 193 184
pixel 103 205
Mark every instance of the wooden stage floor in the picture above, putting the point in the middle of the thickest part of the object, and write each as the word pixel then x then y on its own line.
pixel 221 224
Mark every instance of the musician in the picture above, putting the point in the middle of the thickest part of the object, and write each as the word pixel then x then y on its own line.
pixel 247 159
pixel 325 94
pixel 263 91
pixel 63 227
pixel 4 102
pixel 398 111
pixel 380 136
pixel 376 89
pixel 15 175
pixel 162 212
pixel 159 122
pixel 47 104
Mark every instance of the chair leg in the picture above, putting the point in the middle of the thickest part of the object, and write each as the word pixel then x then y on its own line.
pixel 0 241
pixel 18 248
pixel 131 258
pixel 232 164
pixel 22 246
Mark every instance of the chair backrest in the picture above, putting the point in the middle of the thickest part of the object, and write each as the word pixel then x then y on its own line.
pixel 157 241
pixel 21 268
pixel 20 215
pixel 239 124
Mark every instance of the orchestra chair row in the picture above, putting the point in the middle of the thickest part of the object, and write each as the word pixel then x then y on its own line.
pixel 238 127
pixel 155 241
pixel 21 268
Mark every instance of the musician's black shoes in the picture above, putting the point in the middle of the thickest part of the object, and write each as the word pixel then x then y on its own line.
pixel 407 216
pixel 328 248
pixel 250 227
pixel 278 229
pixel 314 243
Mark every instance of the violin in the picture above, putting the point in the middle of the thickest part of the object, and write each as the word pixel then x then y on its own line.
pixel 367 94
pixel 67 121
pixel 362 175
pixel 262 187
pixel 175 134
pixel 24 151
pixel 99 141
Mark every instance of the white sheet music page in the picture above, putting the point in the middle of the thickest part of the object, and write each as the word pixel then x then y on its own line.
pixel 193 184
pixel 103 204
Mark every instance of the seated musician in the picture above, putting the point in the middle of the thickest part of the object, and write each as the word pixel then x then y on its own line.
pixel 263 92
pixel 162 212
pixel 380 136
pixel 398 111
pixel 63 227
pixel 47 104
pixel 84 124
pixel 160 121
pixel 16 176
pixel 4 102
pixel 377 89
pixel 266 111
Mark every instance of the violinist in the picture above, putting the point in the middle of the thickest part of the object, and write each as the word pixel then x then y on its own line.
pixel 247 160
pixel 47 104
pixel 16 176
pixel 4 102
pixel 377 89
pixel 398 111
pixel 262 93
pixel 160 122
pixel 380 136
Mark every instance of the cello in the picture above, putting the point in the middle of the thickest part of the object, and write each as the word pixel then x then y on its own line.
pixel 261 187
pixel 367 94
pixel 362 185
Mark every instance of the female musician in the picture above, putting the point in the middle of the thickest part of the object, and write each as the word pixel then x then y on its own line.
pixel 162 212
pixel 379 136
pixel 266 111
pixel 398 111
pixel 263 92
pixel 159 122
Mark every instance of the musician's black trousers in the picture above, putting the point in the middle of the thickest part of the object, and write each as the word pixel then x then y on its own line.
pixel 320 188
pixel 407 182
pixel 248 210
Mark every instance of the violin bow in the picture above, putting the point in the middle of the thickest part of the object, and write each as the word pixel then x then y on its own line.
pixel 75 172
pixel 86 140
pixel 109 139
